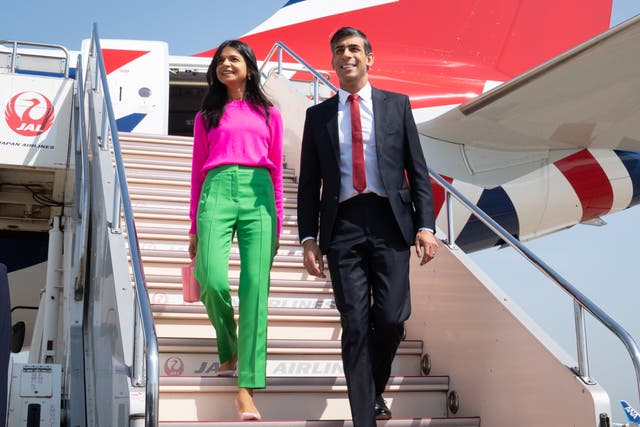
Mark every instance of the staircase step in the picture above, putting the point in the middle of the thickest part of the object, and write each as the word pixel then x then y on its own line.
pixel 312 285
pixel 159 269
pixel 149 227
pixel 285 358
pixel 146 185
pixel 170 219
pixel 234 261
pixel 197 311
pixel 172 164
pixel 284 323
pixel 179 205
pixel 407 422
pixel 173 141
pixel 151 235
pixel 280 328
pixel 312 398
pixel 177 246
pixel 279 297
pixel 282 346
pixel 180 254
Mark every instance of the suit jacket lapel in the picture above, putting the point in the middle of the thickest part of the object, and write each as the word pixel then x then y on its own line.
pixel 379 115
pixel 332 127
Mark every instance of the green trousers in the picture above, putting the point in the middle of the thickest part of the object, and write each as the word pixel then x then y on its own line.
pixel 237 200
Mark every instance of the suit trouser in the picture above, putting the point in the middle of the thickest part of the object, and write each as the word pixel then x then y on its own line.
pixel 237 199
pixel 369 265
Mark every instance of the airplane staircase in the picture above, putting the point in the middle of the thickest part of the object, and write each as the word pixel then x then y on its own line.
pixel 470 353
pixel 305 382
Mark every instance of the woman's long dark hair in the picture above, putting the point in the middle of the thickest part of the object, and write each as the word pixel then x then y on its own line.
pixel 214 102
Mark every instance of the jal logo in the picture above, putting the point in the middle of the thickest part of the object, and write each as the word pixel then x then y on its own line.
pixel 174 366
pixel 29 113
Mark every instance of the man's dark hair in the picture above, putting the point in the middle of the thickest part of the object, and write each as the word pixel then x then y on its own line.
pixel 345 32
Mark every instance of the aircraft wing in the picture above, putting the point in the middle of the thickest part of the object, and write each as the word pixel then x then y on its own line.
pixel 587 97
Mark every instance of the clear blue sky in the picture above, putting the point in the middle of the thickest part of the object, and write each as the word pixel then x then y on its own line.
pixel 600 261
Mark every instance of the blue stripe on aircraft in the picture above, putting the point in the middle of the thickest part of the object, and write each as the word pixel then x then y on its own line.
pixel 631 161
pixel 128 123
pixel 497 204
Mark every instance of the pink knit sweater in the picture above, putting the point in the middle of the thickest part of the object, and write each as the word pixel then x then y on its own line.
pixel 242 138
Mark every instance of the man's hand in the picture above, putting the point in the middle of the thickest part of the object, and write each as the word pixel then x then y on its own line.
pixel 193 245
pixel 313 258
pixel 426 246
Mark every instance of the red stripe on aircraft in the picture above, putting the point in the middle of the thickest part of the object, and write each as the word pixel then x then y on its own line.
pixel 442 53
pixel 589 181
pixel 116 58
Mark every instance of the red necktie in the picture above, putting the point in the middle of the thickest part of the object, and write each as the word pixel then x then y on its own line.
pixel 357 152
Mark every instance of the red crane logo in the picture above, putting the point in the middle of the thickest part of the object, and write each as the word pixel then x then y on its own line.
pixel 29 113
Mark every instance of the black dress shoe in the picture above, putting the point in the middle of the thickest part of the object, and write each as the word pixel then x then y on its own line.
pixel 382 410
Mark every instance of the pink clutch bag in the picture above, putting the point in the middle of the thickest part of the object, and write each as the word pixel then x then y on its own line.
pixel 190 286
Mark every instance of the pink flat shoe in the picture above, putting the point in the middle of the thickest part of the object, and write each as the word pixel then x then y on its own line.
pixel 247 416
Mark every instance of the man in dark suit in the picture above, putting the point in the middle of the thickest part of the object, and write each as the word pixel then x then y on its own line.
pixel 364 182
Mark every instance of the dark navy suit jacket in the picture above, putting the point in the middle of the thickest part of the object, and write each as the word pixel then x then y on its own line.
pixel 398 149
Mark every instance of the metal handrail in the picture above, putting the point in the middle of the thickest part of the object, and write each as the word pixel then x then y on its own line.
pixel 82 187
pixel 317 77
pixel 122 204
pixel 581 302
pixel 14 52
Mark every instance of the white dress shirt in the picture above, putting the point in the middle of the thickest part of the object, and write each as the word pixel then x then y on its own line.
pixel 374 182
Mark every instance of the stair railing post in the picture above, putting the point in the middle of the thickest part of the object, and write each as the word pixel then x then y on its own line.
pixel 103 126
pixel 116 222
pixel 93 54
pixel 14 56
pixel 581 343
pixel 450 230
pixel 138 349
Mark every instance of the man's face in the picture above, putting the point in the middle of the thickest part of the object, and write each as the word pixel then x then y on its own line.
pixel 350 62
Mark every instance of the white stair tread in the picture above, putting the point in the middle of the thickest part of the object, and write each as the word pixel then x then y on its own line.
pixel 313 284
pixel 282 345
pixel 274 312
pixel 284 384
pixel 291 327
pixel 396 422
pixel 188 398
pixel 285 358
pixel 278 365
pixel 275 300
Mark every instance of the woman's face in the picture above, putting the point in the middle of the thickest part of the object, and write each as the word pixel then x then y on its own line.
pixel 231 68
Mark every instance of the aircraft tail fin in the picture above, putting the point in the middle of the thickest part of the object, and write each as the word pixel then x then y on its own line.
pixel 506 37
pixel 632 414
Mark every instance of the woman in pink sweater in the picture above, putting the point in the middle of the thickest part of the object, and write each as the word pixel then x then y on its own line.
pixel 236 188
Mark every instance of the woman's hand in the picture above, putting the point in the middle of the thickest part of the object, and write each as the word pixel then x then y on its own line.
pixel 193 245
